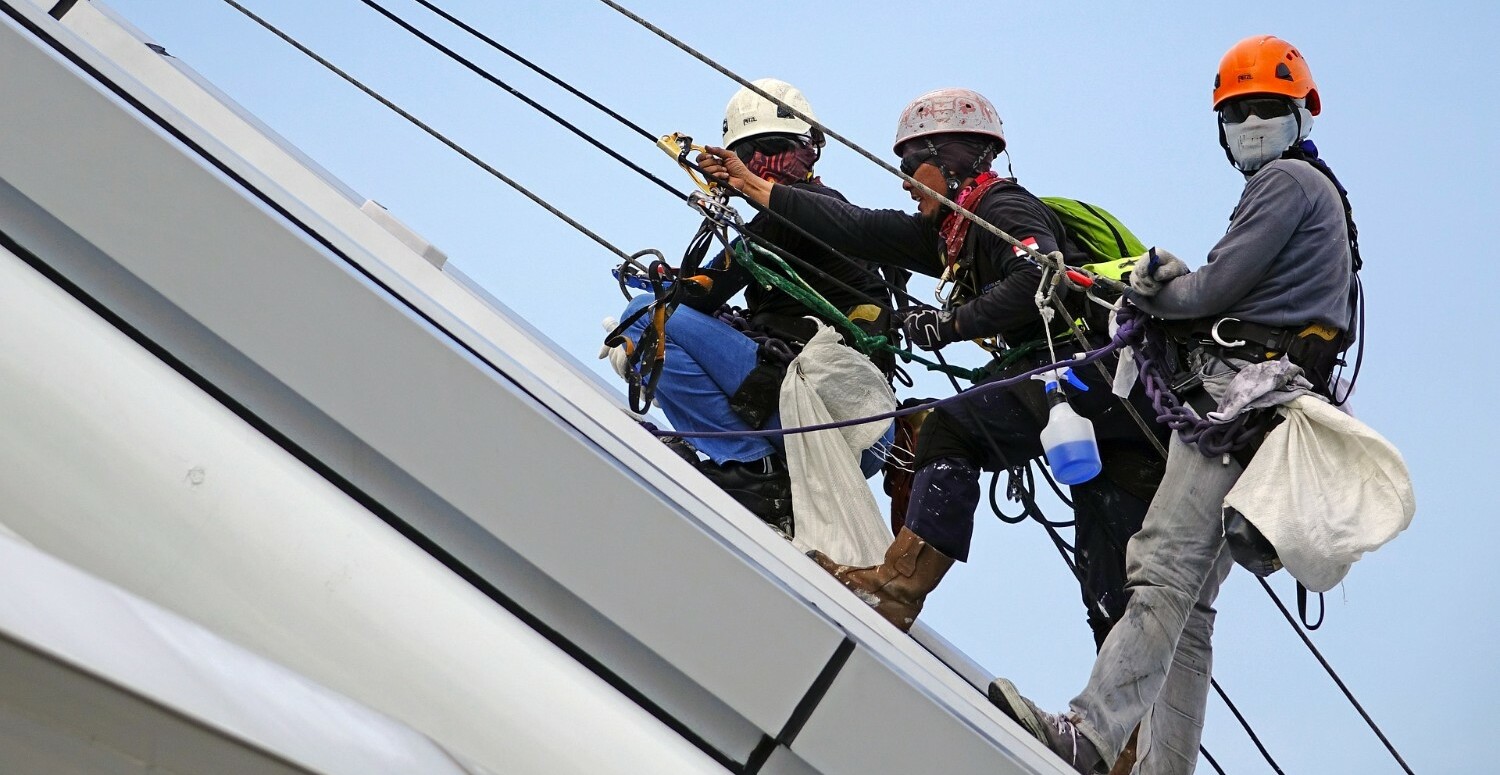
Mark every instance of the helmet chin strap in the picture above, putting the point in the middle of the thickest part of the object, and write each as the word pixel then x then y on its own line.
pixel 953 183
pixel 1224 143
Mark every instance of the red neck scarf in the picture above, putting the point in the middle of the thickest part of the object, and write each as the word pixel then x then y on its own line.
pixel 955 228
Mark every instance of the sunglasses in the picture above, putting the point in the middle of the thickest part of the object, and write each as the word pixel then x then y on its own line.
pixel 1237 111
pixel 916 158
pixel 767 145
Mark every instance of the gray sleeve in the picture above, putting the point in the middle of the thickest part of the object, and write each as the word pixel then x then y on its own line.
pixel 1269 211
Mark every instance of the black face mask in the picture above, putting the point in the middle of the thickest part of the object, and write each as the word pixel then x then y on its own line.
pixel 915 159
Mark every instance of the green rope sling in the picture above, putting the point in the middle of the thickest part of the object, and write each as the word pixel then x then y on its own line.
pixel 789 282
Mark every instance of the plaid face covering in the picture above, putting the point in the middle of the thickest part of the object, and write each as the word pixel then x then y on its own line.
pixel 790 166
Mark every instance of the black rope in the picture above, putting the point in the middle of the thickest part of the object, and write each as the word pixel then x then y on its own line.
pixel 1213 763
pixel 460 150
pixel 1025 492
pixel 853 146
pixel 1013 484
pixel 1334 675
pixel 627 257
pixel 1061 544
pixel 518 94
pixel 455 21
pixel 1057 490
pixel 1214 682
pixel 731 75
pixel 896 289
pixel 1302 608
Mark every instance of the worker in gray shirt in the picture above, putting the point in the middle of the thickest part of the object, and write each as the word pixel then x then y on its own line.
pixel 1280 282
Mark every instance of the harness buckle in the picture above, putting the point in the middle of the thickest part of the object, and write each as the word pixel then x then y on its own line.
pixel 1214 332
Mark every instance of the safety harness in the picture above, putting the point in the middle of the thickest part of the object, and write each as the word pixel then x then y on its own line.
pixel 1319 349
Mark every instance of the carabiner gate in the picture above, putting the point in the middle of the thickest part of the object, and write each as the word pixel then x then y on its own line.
pixel 678 146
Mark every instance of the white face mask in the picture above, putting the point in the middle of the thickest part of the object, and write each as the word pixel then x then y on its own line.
pixel 1257 141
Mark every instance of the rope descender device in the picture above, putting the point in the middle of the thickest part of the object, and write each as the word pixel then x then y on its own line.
pixel 678 146
pixel 668 287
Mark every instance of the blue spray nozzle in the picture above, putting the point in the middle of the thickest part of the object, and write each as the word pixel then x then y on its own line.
pixel 1052 379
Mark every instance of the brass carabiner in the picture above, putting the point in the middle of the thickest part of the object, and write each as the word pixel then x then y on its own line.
pixel 678 146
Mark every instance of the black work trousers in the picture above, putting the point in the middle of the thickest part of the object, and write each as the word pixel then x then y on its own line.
pixel 1003 429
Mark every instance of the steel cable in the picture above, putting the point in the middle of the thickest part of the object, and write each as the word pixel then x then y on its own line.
pixel 897 290
pixel 440 137
pixel 541 202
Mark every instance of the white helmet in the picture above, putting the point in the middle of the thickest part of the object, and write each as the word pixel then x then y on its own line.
pixel 949 110
pixel 749 114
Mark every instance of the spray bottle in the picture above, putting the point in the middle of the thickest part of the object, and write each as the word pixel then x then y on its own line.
pixel 1068 439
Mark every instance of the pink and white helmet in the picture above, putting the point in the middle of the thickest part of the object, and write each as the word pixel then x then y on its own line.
pixel 949 110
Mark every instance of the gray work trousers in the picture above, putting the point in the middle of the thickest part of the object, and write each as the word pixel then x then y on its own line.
pixel 1155 666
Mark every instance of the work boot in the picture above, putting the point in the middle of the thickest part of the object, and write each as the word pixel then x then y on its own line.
pixel 762 486
pixel 1056 731
pixel 682 447
pixel 897 587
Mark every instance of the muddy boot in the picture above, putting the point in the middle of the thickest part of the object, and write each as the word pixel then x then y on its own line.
pixel 762 486
pixel 897 587
pixel 682 447
pixel 1056 731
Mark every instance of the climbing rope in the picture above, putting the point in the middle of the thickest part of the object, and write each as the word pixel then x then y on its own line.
pixel 965 395
pixel 633 259
pixel 1035 255
pixel 664 142
pixel 440 137
pixel 1211 439
pixel 679 146
pixel 1328 668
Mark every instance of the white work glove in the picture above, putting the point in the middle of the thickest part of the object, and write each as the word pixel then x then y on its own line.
pixel 1155 269
pixel 617 356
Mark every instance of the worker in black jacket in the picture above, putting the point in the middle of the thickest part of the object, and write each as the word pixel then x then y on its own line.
pixel 947 140
pixel 714 377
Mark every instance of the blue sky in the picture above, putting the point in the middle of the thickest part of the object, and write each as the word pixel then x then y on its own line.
pixel 1104 102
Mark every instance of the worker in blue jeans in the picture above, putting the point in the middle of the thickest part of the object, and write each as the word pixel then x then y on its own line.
pixel 707 360
pixel 716 378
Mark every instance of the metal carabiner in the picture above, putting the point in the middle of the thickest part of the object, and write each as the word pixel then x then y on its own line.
pixel 1214 332
pixel 944 280
pixel 678 146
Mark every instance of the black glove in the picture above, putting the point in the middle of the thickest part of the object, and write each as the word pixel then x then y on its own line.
pixel 929 328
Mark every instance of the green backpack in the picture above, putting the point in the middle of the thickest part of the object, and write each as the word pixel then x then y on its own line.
pixel 1112 246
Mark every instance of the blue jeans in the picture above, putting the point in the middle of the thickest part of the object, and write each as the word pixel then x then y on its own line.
pixel 705 364
pixel 1156 663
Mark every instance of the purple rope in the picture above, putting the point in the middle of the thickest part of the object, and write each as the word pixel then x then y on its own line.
pixel 1211 439
pixel 1127 330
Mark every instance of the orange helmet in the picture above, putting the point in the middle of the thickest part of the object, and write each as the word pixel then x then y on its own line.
pixel 1265 64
